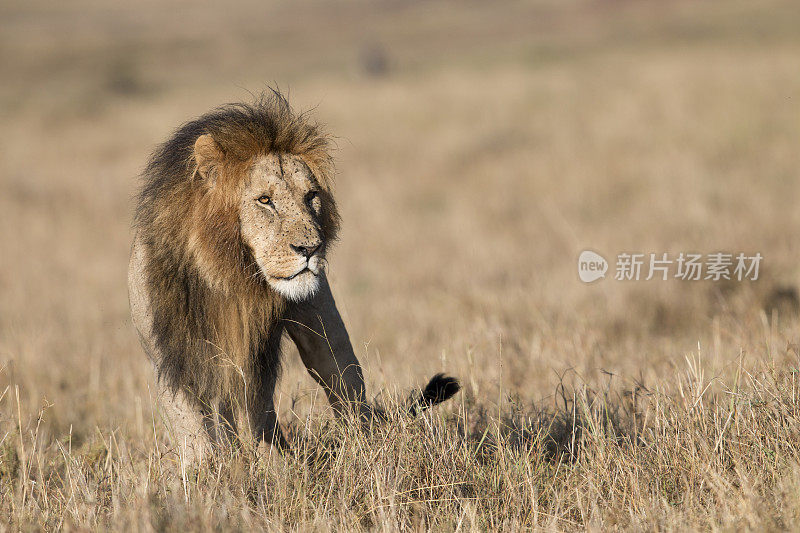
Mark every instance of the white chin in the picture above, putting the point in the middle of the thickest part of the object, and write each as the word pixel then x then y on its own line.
pixel 300 288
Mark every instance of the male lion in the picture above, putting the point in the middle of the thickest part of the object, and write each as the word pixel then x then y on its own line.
pixel 233 222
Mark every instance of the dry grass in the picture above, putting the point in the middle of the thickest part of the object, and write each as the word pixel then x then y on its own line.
pixel 480 150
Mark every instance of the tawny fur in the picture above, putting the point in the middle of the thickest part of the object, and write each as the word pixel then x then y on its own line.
pixel 233 222
pixel 214 317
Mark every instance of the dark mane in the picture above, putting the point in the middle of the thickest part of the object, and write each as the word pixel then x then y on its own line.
pixel 215 319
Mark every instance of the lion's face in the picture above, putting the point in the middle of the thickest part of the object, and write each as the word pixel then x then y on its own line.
pixel 281 221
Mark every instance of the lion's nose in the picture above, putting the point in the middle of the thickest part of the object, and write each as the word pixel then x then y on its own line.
pixel 306 251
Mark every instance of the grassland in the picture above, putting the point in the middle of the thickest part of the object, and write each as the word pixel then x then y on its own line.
pixel 481 147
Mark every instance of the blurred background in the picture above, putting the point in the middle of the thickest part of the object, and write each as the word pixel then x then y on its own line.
pixel 480 147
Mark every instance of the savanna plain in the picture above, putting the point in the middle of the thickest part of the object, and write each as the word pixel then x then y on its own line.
pixel 480 148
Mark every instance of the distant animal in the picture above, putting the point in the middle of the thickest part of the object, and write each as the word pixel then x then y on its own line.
pixel 233 221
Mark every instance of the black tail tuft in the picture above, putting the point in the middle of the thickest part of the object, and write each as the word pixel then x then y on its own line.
pixel 438 389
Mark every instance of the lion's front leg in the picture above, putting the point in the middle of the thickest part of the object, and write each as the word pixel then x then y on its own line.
pixel 324 345
pixel 260 412
pixel 266 427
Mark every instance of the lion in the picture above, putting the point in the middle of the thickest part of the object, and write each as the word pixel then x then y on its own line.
pixel 233 222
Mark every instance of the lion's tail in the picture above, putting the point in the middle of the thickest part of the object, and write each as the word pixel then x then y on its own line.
pixel 438 389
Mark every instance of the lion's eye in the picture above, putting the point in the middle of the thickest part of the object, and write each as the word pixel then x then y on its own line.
pixel 310 197
pixel 265 200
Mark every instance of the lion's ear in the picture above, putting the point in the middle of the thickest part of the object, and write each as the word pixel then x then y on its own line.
pixel 207 154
